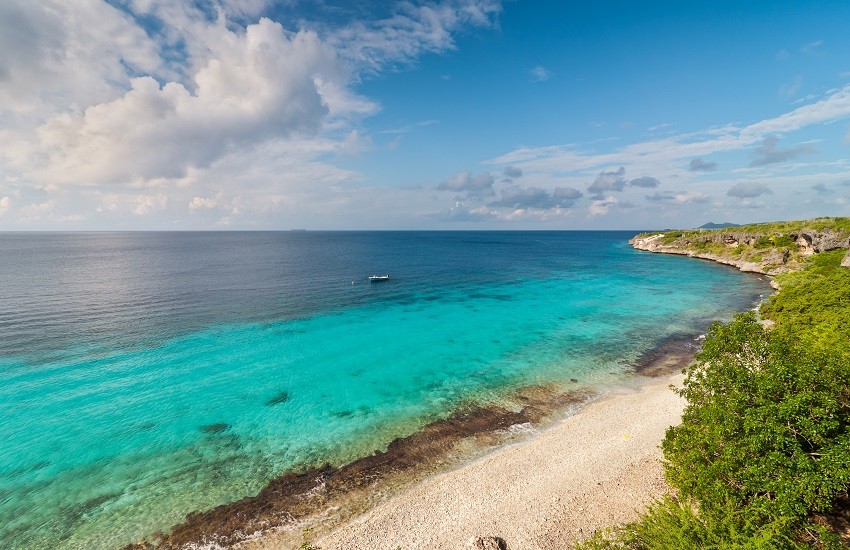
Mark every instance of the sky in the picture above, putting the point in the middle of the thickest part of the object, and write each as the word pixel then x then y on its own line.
pixel 448 114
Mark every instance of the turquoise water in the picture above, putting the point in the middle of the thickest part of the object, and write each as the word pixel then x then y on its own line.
pixel 119 417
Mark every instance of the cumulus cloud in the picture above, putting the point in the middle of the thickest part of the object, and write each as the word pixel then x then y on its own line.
pixel 37 211
pixel 244 95
pixel 462 213
pixel 691 197
pixel 146 204
pixel 536 198
pixel 606 182
pixel 645 181
pixel 164 98
pixel 820 188
pixel 749 189
pixel 770 153
pixel 699 165
pixel 600 207
pixel 201 203
pixel 478 185
pixel 540 74
pixel 512 172
pixel 54 57
pixel 5 203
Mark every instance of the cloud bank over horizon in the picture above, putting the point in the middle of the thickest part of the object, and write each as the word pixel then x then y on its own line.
pixel 153 114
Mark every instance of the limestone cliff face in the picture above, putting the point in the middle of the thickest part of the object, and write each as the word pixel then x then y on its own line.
pixel 742 248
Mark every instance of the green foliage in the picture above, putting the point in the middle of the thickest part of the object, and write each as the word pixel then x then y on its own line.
pixel 818 224
pixel 668 524
pixel 815 303
pixel 763 242
pixel 764 441
pixel 670 236
pixel 784 241
pixel 766 429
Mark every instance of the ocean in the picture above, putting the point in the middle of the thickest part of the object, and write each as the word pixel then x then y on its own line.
pixel 144 376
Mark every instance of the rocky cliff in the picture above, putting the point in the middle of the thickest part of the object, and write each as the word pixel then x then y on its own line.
pixel 765 248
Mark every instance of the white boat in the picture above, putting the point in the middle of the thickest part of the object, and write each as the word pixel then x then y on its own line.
pixel 379 278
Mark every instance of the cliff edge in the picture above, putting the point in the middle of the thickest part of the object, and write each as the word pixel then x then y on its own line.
pixel 769 248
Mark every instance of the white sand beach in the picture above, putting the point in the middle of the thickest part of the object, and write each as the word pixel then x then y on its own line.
pixel 596 469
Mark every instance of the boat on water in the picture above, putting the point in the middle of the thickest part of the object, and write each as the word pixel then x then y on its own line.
pixel 379 278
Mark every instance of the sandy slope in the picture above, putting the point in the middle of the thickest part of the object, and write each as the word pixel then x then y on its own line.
pixel 594 470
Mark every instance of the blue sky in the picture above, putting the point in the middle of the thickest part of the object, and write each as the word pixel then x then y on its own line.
pixel 459 114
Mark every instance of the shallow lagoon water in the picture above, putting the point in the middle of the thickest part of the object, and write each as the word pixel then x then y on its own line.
pixel 147 375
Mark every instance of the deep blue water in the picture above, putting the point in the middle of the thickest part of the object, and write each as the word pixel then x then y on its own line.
pixel 146 375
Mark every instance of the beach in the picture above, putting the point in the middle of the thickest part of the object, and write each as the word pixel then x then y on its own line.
pixel 593 470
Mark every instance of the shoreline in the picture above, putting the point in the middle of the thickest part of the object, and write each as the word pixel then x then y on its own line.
pixel 329 505
pixel 593 470
pixel 327 498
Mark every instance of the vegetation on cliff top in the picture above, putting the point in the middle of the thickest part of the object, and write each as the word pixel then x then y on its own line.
pixel 837 224
pixel 762 457
pixel 776 247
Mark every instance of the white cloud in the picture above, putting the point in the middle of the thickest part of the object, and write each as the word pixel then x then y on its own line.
pixel 749 189
pixel 478 185
pixel 692 196
pixel 812 48
pixel 645 181
pixel 37 211
pixel 261 85
pixel 537 198
pixel 834 107
pixel 199 203
pixel 699 165
pixel 769 152
pixel 790 89
pixel 5 203
pixel 462 213
pixel 652 154
pixel 540 74
pixel 600 207
pixel 164 113
pixel 60 55
pixel 410 32
pixel 145 204
pixel 512 172
pixel 607 181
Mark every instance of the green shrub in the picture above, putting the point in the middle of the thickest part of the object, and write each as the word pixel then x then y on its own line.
pixel 763 242
pixel 670 236
pixel 764 442
pixel 767 426
pixel 669 524
pixel 815 303
pixel 784 240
